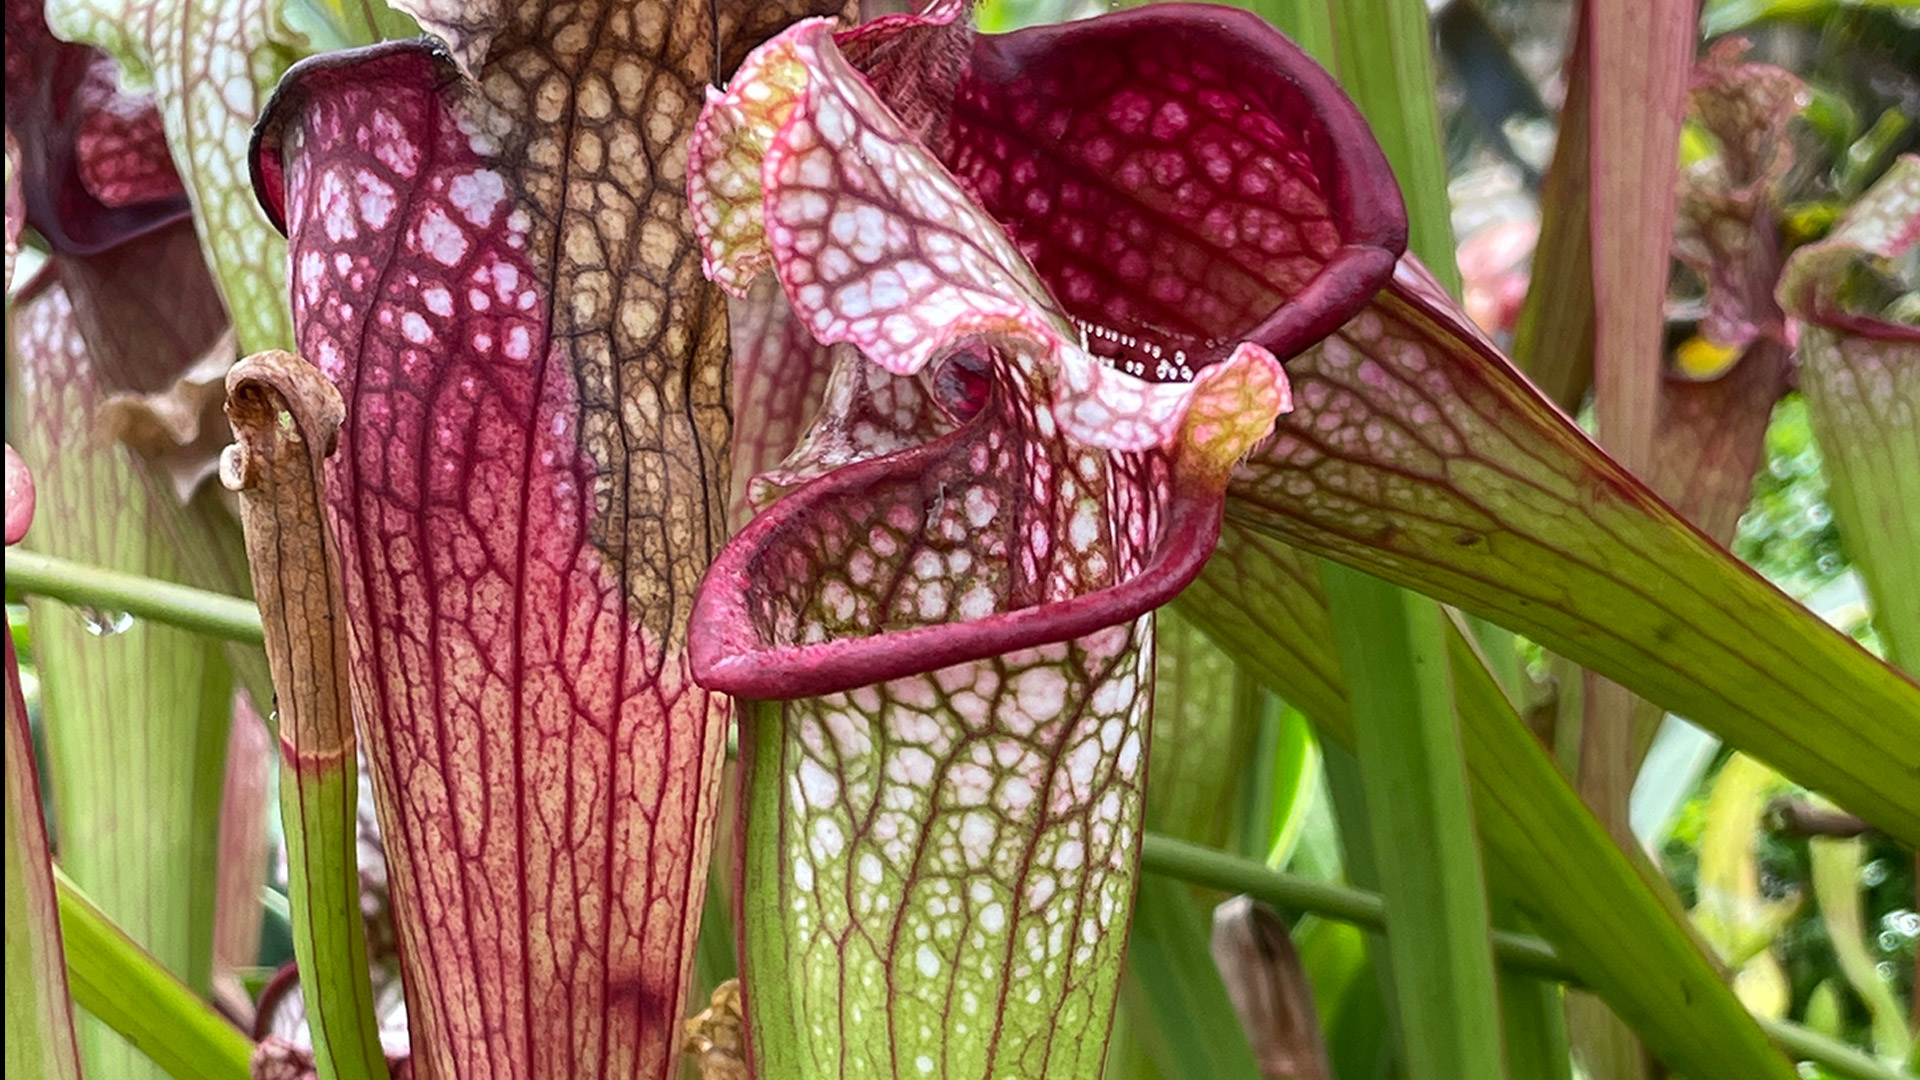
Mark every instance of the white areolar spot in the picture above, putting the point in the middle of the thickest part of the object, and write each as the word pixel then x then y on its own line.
pixel 376 199
pixel 976 837
pixel 1084 529
pixel 1016 794
pixel 926 961
pixel 1082 760
pixel 1041 691
pixel 441 239
pixel 828 840
pixel 817 784
pixel 478 195
pixel 415 328
pixel 993 918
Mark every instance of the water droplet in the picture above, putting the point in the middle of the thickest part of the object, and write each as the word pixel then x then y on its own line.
pixel 1874 873
pixel 103 623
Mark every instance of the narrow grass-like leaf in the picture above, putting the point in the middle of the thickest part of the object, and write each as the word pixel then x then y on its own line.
pixel 1360 861
pixel 1281 801
pixel 1417 804
pixel 286 419
pixel 1385 50
pixel 1346 991
pixel 1308 22
pixel 1533 1017
pixel 125 988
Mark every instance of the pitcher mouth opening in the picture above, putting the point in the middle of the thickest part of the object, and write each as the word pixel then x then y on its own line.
pixel 752 639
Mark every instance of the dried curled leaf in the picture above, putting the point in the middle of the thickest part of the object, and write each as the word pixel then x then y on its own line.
pixel 717 1036
pixel 180 430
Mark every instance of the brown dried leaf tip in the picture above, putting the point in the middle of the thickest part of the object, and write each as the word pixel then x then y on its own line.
pixel 274 397
pixel 286 419
pixel 1257 961
pixel 717 1037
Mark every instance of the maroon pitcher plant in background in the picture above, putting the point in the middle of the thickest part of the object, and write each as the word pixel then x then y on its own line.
pixel 493 260
pixel 1019 457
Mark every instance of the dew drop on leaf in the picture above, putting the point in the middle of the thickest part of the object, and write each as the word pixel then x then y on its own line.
pixel 102 623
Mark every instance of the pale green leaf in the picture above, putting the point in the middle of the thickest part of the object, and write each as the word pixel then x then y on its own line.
pixel 122 986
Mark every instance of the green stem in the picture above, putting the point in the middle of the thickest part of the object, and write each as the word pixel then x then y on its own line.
pixel 1202 866
pixel 116 981
pixel 228 618
pixel 1832 1055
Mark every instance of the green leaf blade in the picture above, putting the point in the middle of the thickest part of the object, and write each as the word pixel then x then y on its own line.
pixel 1417 804
pixel 124 987
pixel 1619 924
pixel 1449 474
